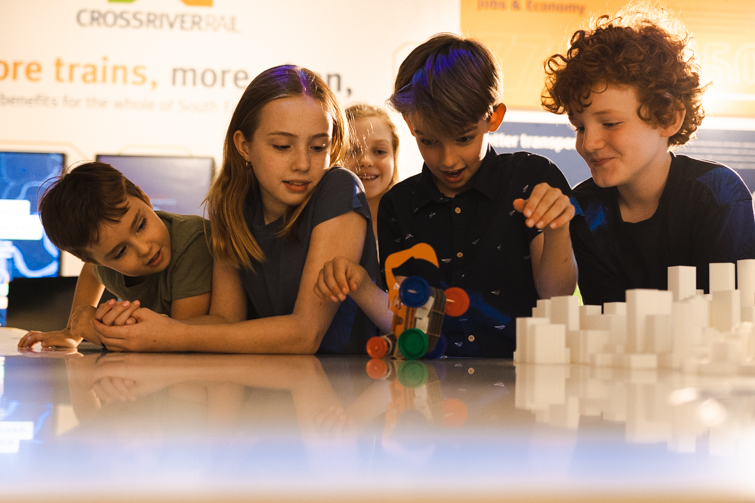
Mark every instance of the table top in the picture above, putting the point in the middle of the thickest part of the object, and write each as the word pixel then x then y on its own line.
pixel 101 426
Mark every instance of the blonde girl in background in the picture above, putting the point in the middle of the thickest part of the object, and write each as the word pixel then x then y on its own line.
pixel 278 210
pixel 373 152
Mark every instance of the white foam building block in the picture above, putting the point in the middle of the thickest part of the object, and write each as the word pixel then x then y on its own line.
pixel 747 313
pixel 659 333
pixel 725 310
pixel 682 281
pixel 683 328
pixel 588 343
pixel 565 311
pixel 546 343
pixel 522 326
pixel 700 311
pixel 619 308
pixel 615 324
pixel 537 387
pixel 639 361
pixel 746 282
pixel 640 304
pixel 722 277
pixel 743 333
pixel 725 351
pixel 543 309
pixel 585 311
pixel 565 415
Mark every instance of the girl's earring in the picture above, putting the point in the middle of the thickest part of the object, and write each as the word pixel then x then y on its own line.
pixel 248 165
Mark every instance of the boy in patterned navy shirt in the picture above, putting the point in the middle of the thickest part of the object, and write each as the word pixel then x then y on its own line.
pixel 499 224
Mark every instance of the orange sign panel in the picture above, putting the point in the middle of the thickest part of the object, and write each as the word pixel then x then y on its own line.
pixel 523 33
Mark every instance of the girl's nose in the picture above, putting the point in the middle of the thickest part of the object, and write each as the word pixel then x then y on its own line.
pixel 302 161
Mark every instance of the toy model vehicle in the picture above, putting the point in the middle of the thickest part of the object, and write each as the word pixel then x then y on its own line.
pixel 418 311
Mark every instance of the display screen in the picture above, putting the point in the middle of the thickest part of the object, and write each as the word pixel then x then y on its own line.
pixel 25 250
pixel 174 184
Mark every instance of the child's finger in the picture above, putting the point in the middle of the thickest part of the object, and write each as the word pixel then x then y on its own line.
pixel 29 339
pixel 564 218
pixel 554 212
pixel 103 309
pixel 333 280
pixel 543 201
pixel 115 312
pixel 534 200
pixel 519 204
pixel 122 318
pixel 342 273
pixel 326 283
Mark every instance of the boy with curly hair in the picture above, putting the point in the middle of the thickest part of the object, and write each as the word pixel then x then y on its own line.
pixel 632 89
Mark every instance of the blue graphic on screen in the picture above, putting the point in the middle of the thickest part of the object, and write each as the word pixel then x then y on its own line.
pixel 24 246
pixel 174 184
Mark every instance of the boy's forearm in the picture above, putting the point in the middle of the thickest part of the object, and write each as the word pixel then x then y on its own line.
pixel 557 274
pixel 85 298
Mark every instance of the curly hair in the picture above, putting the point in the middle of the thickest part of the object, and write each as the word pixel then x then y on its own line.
pixel 642 47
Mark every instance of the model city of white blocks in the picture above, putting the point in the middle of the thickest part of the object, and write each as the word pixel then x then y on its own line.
pixel 681 328
pixel 685 411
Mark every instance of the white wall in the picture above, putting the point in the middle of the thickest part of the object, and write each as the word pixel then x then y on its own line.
pixel 57 89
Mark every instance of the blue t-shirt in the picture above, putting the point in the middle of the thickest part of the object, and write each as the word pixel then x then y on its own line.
pixel 704 216
pixel 273 285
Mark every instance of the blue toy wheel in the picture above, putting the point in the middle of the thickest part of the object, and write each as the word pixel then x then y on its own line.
pixel 414 291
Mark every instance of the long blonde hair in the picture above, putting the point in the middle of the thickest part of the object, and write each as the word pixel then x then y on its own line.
pixel 232 241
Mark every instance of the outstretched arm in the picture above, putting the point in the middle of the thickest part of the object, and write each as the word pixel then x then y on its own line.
pixel 341 277
pixel 553 265
pixel 86 296
pixel 297 333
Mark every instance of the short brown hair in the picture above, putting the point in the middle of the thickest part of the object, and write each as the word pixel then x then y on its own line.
pixel 363 111
pixel 76 204
pixel 450 82
pixel 642 47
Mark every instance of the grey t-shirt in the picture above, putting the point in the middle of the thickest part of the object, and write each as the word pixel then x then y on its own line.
pixel 188 274
pixel 273 285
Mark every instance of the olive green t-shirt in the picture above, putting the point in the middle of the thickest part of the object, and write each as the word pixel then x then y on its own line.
pixel 188 274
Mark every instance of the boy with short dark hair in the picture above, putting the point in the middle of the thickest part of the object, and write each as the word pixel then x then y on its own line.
pixel 499 224
pixel 161 259
pixel 632 89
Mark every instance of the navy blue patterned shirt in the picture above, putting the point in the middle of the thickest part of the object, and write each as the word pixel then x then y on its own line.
pixel 704 216
pixel 482 244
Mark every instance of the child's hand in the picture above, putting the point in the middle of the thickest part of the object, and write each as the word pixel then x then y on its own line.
pixel 138 336
pixel 80 324
pixel 48 340
pixel 546 206
pixel 338 278
pixel 116 313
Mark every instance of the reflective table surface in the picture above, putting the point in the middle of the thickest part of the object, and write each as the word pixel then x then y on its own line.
pixel 99 426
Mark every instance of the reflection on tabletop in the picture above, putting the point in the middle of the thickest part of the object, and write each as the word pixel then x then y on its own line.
pixel 287 423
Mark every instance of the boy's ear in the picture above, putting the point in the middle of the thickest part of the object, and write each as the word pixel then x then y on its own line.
pixel 242 146
pixel 674 127
pixel 496 117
